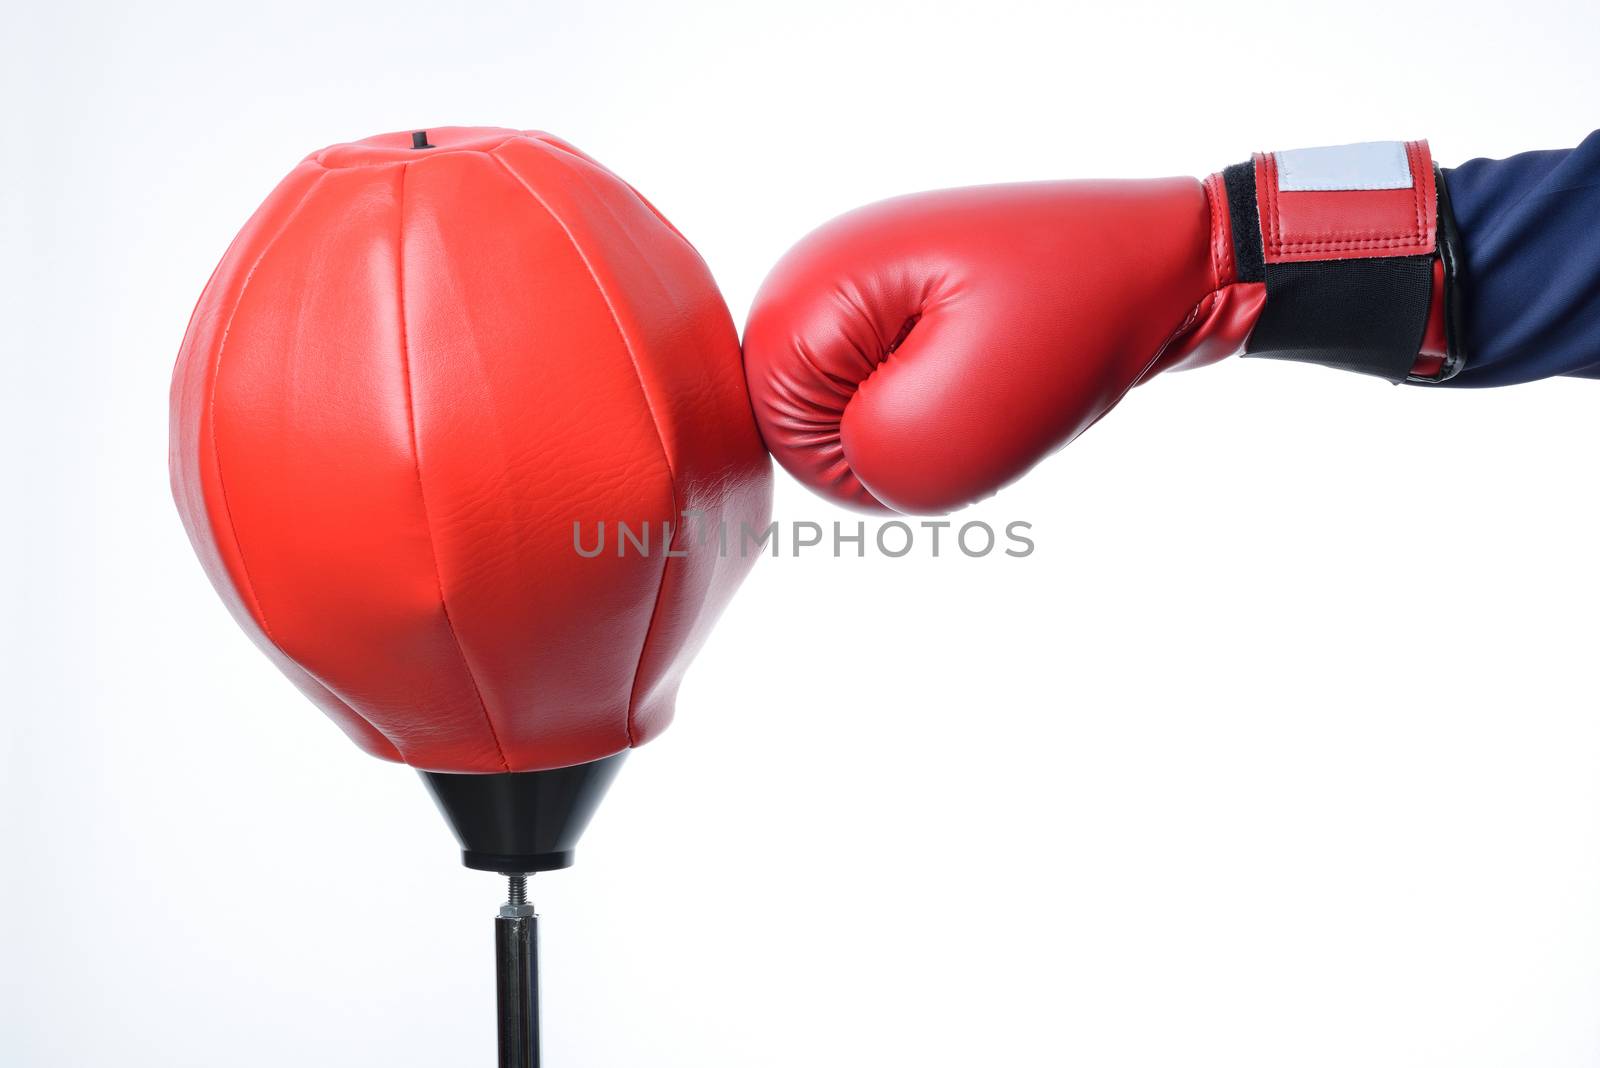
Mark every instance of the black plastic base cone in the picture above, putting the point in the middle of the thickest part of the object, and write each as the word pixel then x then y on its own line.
pixel 522 821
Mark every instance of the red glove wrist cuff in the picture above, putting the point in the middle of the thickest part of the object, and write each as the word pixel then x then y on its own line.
pixel 1355 246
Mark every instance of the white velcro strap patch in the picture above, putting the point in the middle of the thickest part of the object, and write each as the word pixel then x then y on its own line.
pixel 1370 165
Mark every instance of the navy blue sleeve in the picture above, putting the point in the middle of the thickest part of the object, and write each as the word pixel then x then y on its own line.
pixel 1530 231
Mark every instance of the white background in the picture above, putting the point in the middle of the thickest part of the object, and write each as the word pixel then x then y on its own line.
pixel 1281 750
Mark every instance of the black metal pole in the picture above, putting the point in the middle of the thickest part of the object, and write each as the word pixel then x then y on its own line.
pixel 516 938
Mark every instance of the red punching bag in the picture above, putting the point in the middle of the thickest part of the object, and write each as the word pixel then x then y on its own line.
pixel 428 369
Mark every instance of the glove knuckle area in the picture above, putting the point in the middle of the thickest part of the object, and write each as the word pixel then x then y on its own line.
pixel 819 332
pixel 919 354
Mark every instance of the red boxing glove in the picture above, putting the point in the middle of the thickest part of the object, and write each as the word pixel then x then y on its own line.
pixel 424 359
pixel 920 353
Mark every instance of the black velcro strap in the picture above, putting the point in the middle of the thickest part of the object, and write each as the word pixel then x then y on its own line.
pixel 1354 315
pixel 1240 181
pixel 1363 315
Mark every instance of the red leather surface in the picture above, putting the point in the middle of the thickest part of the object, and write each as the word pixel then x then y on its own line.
pixel 1221 323
pixel 412 372
pixel 918 354
pixel 1348 223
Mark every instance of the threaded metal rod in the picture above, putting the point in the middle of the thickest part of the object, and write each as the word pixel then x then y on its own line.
pixel 516 938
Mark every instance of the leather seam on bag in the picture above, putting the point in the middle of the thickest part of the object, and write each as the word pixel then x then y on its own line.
pixel 416 454
pixel 661 441
pixel 260 612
